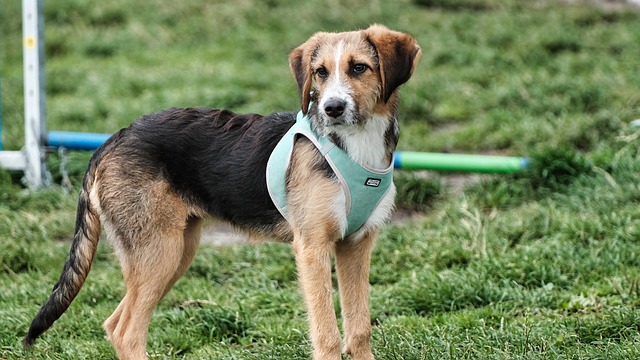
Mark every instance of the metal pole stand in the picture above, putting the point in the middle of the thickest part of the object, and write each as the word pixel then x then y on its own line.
pixel 32 158
pixel 36 173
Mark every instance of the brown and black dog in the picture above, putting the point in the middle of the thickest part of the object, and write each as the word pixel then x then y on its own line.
pixel 152 184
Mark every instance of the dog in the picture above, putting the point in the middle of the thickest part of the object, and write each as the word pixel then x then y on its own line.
pixel 152 184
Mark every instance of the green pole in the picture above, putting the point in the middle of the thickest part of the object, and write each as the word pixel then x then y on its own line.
pixel 458 162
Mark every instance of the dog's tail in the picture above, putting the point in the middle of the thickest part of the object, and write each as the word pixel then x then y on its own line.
pixel 78 264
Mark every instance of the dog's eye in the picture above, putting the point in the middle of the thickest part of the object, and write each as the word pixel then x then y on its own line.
pixel 322 72
pixel 358 69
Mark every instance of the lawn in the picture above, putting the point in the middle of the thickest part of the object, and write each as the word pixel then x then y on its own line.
pixel 539 265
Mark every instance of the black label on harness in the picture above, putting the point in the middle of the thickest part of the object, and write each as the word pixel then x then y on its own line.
pixel 373 182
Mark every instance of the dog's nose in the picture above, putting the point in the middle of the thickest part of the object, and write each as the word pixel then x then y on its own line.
pixel 334 107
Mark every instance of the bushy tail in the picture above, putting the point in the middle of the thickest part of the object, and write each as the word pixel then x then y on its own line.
pixel 78 264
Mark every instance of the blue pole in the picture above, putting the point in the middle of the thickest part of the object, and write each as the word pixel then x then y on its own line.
pixel 76 140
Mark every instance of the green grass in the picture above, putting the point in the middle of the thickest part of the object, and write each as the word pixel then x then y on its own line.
pixel 539 265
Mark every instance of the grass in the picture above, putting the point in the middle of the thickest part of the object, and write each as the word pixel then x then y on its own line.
pixel 539 265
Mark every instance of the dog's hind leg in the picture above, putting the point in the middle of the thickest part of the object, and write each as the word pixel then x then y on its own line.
pixel 352 266
pixel 147 226
pixel 110 324
pixel 148 272
pixel 191 236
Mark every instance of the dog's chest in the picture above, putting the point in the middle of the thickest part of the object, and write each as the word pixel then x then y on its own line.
pixel 363 188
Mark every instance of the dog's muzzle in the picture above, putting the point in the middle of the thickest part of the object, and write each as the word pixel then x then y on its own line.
pixel 335 107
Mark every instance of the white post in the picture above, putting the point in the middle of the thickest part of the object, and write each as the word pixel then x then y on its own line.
pixel 36 173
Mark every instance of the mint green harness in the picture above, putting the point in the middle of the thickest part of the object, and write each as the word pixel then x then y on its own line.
pixel 363 188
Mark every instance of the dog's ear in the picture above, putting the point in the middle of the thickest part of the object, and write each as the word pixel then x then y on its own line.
pixel 300 64
pixel 398 54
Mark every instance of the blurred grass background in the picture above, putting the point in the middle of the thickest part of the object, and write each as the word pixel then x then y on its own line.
pixel 539 265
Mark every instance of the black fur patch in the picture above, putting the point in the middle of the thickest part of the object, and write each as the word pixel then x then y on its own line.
pixel 213 158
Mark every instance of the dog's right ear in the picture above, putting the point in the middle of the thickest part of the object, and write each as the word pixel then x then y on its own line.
pixel 300 64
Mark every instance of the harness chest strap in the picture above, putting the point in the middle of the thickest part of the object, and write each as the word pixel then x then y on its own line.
pixel 363 187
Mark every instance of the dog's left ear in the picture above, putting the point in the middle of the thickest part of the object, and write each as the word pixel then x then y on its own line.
pixel 300 64
pixel 398 54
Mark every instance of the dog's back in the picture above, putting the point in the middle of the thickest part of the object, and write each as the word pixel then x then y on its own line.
pixel 214 159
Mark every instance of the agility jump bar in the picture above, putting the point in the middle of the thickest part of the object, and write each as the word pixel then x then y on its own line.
pixel 76 140
pixel 402 159
pixel 458 162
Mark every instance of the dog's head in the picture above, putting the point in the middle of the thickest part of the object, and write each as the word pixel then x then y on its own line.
pixel 351 76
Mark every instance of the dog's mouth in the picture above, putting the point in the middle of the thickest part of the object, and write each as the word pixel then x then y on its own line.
pixel 339 121
pixel 340 124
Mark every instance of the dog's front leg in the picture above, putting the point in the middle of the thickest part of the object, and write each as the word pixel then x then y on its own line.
pixel 353 259
pixel 313 259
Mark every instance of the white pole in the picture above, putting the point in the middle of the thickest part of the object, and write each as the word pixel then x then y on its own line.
pixel 36 173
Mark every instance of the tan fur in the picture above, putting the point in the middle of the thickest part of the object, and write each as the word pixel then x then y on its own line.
pixel 315 232
pixel 352 266
pixel 367 87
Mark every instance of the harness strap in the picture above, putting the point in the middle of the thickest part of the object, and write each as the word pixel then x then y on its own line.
pixel 363 187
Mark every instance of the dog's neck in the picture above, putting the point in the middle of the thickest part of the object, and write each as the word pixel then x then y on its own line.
pixel 370 143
